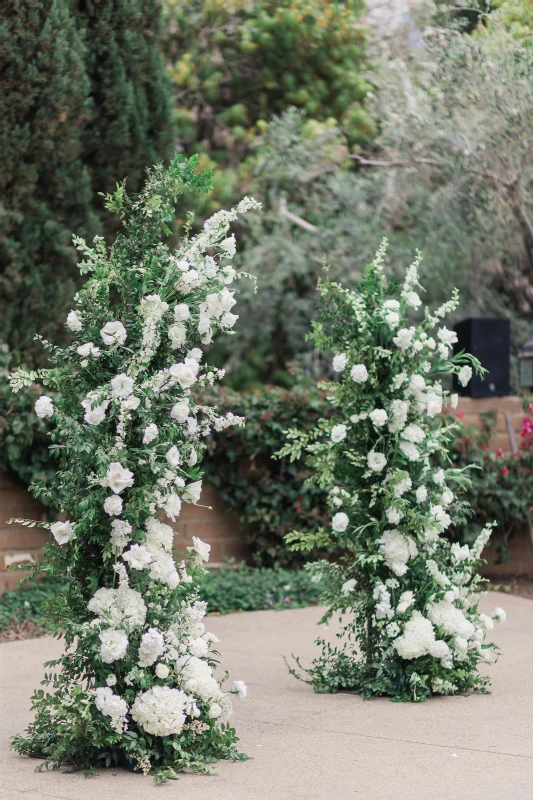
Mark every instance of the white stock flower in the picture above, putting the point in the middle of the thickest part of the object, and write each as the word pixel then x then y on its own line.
pixel 433 403
pixel 242 689
pixel 120 534
pixel 338 433
pixel 359 373
pixel 406 601
pixel 340 521
pixel 117 478
pixel 109 704
pixel 397 549
pixel 446 336
pixel 150 433
pixel 62 531
pixel 454 400
pixel 450 619
pixel 339 362
pixel 177 334
pixel 392 304
pixel 392 319
pixel 399 410
pixel 172 506
pixel 404 337
pixel 376 461
pixel 202 549
pixel 113 333
pixel 439 476
pixel 44 407
pixel 410 450
pixel 173 456
pixel 441 519
pixel 378 417
pixel 464 375
pixel 393 515
pixel 348 586
pixel 421 494
pixel 446 498
pixel 413 433
pixel 74 322
pixel 152 646
pixel 113 645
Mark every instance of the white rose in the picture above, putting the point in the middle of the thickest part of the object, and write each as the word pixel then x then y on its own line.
pixel 392 304
pixel 359 373
pixel 162 671
pixel 339 362
pixel 464 375
pixel 62 532
pixel 181 312
pixel 376 461
pixel 340 522
pixel 114 645
pixel 242 689
pixel 117 478
pixel 202 549
pixel 113 333
pixel 228 320
pixel 348 586
pixel 404 337
pixel 193 458
pixel 74 322
pixel 173 456
pixel 150 433
pixel 185 372
pixel 180 411
pixel 192 492
pixel 44 407
pixel 392 319
pixel 338 433
pixel 133 403
pixel 122 386
pixel 113 505
pixel 410 450
pixel 111 679
pixel 138 556
pixel 378 417
pixel 214 711
pixel 439 476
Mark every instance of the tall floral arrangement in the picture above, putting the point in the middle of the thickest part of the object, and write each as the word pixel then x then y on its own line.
pixel 408 599
pixel 136 682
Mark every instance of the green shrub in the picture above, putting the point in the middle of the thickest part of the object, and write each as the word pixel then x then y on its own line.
pixel 266 492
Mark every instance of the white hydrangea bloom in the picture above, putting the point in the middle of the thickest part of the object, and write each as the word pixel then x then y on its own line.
pixel 417 637
pixel 151 648
pixel 150 433
pixel 359 373
pixel 160 710
pixel 340 522
pixel 378 417
pixel 113 505
pixel 397 549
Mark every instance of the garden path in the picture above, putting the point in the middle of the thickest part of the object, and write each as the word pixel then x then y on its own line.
pixel 304 746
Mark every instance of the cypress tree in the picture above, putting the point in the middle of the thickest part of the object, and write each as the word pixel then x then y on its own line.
pixel 86 102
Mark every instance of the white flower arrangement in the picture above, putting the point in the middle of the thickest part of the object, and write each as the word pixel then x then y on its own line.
pixel 412 594
pixel 131 435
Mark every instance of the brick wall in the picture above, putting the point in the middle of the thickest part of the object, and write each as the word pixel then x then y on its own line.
pixel 507 408
pixel 217 526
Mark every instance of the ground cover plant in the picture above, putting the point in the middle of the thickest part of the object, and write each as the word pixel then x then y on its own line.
pixel 136 682
pixel 407 597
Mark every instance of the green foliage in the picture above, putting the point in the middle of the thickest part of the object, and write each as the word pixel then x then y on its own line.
pixel 85 101
pixel 123 376
pixel 268 494
pixel 234 65
pixel 449 172
pixel 406 597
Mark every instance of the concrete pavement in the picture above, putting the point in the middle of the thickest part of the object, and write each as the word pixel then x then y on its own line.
pixel 303 746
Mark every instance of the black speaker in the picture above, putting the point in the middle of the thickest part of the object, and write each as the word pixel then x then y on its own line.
pixel 489 340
